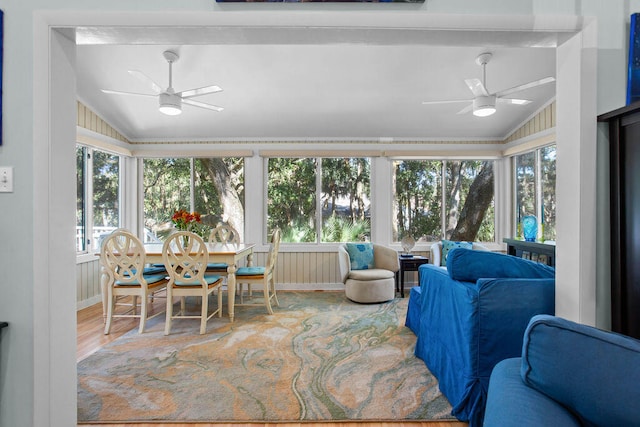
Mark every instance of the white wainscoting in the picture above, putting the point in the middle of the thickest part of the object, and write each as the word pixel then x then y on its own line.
pixel 295 271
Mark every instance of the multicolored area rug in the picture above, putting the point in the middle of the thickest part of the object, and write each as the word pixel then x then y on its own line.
pixel 320 357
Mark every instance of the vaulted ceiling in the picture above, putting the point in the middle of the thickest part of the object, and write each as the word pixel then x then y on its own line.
pixel 306 83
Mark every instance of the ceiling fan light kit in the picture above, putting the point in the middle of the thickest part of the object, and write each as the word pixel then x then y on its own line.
pixel 170 104
pixel 484 106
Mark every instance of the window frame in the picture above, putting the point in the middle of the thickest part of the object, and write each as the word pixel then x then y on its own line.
pixel 88 154
pixel 318 157
pixel 538 189
pixel 443 182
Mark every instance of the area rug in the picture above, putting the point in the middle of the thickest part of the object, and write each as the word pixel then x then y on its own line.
pixel 319 357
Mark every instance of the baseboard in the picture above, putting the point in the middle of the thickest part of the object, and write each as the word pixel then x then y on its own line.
pixel 88 302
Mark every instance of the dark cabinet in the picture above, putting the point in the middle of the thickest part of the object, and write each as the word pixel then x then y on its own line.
pixel 534 251
pixel 624 152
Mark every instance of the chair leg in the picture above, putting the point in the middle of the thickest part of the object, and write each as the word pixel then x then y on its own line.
pixel 169 313
pixel 134 303
pixel 267 299
pixel 110 303
pixel 143 313
pixel 203 313
pixel 273 290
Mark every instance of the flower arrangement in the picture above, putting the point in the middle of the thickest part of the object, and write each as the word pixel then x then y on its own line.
pixel 186 221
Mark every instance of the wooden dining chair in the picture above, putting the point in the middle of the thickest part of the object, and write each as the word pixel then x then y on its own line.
pixel 223 233
pixel 122 256
pixel 185 257
pixel 265 276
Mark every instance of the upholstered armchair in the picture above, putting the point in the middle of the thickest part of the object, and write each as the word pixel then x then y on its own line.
pixel 368 271
pixel 438 257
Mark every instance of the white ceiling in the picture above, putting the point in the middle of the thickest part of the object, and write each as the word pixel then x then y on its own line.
pixel 312 83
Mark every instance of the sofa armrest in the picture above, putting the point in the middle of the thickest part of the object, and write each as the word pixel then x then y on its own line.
pixel 592 372
pixel 505 307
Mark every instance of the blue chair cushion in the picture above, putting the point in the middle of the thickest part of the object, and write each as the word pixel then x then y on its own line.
pixel 150 281
pixel 209 278
pixel 217 266
pixel 250 271
pixel 448 245
pixel 594 373
pixel 468 265
pixel 154 270
pixel 360 255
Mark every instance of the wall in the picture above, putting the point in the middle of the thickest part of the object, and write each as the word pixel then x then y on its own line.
pixel 29 370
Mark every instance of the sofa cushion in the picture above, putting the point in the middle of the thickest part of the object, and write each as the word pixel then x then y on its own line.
pixel 448 245
pixel 360 255
pixel 468 266
pixel 596 374
pixel 511 403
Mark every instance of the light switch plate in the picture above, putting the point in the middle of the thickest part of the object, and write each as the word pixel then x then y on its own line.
pixel 6 179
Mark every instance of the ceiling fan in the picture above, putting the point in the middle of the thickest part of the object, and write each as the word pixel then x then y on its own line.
pixel 170 101
pixel 484 103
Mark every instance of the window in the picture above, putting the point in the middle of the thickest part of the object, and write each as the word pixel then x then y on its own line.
pixel 535 187
pixel 98 196
pixel 214 187
pixel 314 200
pixel 444 198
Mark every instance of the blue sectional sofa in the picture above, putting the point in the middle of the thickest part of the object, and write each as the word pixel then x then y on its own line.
pixel 569 375
pixel 473 314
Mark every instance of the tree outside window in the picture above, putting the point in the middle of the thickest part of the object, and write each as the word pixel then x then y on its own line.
pixel 316 200
pixel 216 192
pixel 465 211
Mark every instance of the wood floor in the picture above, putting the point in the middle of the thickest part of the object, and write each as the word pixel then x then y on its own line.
pixel 92 338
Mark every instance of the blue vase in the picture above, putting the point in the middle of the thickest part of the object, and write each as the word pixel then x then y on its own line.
pixel 530 228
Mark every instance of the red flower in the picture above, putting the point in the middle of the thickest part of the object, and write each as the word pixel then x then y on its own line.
pixel 183 220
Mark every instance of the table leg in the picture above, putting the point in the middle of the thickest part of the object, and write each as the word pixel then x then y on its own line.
pixel 402 284
pixel 231 290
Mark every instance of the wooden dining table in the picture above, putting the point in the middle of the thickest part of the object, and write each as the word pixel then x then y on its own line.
pixel 228 253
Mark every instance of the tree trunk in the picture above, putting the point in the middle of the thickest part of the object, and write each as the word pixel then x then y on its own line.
pixel 233 211
pixel 476 205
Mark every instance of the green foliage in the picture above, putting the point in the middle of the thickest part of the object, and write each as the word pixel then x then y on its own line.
pixel 337 229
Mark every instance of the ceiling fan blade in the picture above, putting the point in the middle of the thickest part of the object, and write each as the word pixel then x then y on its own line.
pixel 202 105
pixel 146 80
pixel 526 86
pixel 451 101
pixel 117 92
pixel 200 91
pixel 513 101
pixel 466 109
pixel 476 87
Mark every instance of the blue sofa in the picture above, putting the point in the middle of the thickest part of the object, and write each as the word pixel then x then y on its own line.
pixel 471 315
pixel 569 375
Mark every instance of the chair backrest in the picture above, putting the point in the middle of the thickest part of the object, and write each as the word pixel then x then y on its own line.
pixel 224 233
pixel 272 258
pixel 123 257
pixel 436 251
pixel 185 257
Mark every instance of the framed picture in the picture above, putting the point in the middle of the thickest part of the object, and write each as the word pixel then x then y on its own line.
pixel 320 1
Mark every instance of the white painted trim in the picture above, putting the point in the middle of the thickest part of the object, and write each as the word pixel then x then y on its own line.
pixel 54 374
